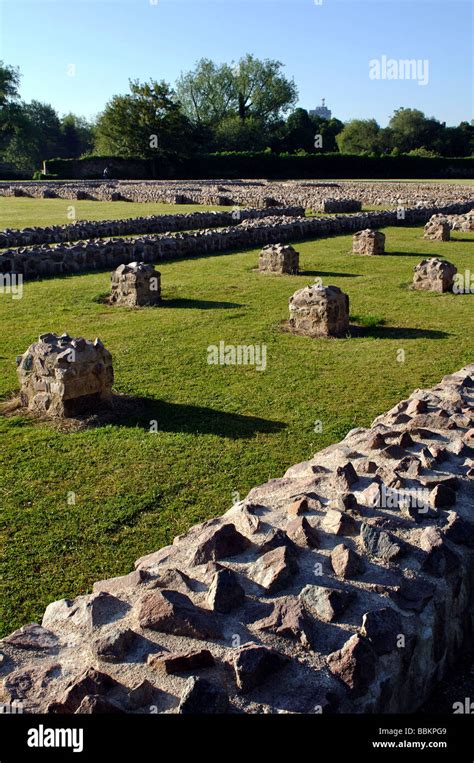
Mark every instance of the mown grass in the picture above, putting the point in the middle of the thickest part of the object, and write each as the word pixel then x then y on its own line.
pixel 220 428
pixel 22 213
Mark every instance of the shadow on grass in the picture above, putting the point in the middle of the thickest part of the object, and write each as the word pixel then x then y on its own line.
pixel 131 411
pixel 393 332
pixel 198 304
pixel 151 415
pixel 178 302
pixel 327 274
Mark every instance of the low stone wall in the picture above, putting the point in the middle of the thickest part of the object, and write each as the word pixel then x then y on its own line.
pixel 338 205
pixel 249 193
pixel 39 261
pixel 345 586
pixel 84 229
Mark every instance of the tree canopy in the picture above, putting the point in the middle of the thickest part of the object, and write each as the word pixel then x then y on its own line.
pixel 251 89
pixel 245 106
pixel 145 122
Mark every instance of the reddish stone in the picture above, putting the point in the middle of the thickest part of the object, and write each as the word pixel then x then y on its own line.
pixel 173 612
pixel 355 665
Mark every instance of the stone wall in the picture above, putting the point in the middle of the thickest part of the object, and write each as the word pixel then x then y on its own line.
pixel 251 193
pixel 70 258
pixel 83 229
pixel 344 586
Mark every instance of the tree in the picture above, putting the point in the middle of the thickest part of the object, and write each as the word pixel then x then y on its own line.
pixel 300 131
pixel 9 83
pixel 206 94
pixel 359 136
pixel 410 129
pixel 9 113
pixel 146 123
pixel 251 89
pixel 47 129
pixel 329 129
pixel 261 90
pixel 77 136
pixel 231 134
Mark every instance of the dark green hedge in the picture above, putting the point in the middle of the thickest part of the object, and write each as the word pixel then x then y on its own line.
pixel 265 165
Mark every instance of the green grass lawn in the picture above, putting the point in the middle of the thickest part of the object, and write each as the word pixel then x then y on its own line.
pixel 220 429
pixel 22 213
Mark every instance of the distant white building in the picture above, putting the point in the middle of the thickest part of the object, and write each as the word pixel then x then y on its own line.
pixel 321 111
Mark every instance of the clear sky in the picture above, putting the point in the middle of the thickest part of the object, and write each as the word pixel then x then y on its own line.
pixel 76 54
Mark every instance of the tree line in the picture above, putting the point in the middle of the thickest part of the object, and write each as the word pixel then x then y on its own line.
pixel 248 106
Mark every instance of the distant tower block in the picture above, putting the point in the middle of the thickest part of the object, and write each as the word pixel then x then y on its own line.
pixel 62 377
pixel 434 275
pixel 278 258
pixel 135 285
pixel 321 111
pixel 368 242
pixel 437 230
pixel 319 311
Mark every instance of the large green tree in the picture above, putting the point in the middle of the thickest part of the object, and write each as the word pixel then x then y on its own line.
pixel 411 129
pixel 146 122
pixel 77 136
pixel 250 89
pixel 359 136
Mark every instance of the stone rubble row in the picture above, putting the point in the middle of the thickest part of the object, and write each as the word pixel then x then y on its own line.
pixel 84 229
pixel 344 586
pixel 252 193
pixel 94 254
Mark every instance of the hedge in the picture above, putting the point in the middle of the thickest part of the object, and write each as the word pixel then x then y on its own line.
pixel 264 165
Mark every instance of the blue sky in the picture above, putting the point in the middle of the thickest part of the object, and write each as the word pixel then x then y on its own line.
pixel 326 48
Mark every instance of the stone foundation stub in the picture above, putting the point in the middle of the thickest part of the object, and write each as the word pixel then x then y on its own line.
pixel 63 377
pixel 437 230
pixel 278 258
pixel 368 242
pixel 434 274
pixel 135 285
pixel 319 311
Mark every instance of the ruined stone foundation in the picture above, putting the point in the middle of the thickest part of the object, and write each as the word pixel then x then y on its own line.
pixel 319 311
pixel 61 376
pixel 135 285
pixel 368 242
pixel 434 274
pixel 344 586
pixel 278 258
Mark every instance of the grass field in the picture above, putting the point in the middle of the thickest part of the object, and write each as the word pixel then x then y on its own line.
pixel 22 213
pixel 220 428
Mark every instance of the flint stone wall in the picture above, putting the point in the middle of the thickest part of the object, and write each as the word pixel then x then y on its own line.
pixel 349 582
pixel 456 222
pixel 95 254
pixel 61 376
pixel 83 229
pixel 252 193
pixel 338 205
